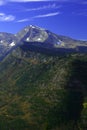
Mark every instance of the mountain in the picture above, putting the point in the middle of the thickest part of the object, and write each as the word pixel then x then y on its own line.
pixel 36 34
pixel 7 41
pixel 38 89
pixel 33 37
pixel 46 39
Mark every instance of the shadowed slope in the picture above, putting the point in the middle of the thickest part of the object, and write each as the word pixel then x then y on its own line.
pixel 41 92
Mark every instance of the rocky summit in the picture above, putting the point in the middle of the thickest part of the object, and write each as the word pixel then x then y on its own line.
pixel 34 36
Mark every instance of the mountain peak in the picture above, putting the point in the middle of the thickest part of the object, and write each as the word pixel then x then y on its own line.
pixel 32 26
pixel 36 27
pixel 34 35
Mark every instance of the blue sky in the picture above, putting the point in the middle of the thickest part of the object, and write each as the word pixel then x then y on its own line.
pixel 64 17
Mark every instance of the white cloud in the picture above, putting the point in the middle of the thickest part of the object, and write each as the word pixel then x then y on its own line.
pixel 2 2
pixel 28 0
pixel 1 14
pixel 39 16
pixel 43 0
pixel 50 6
pixel 7 18
pixel 22 20
pixel 47 15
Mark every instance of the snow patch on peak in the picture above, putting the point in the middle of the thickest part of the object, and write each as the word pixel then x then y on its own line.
pixel 59 42
pixel 2 41
pixel 39 39
pixel 32 26
pixel 28 39
pixel 26 29
pixel 12 44
pixel 40 28
pixel 37 27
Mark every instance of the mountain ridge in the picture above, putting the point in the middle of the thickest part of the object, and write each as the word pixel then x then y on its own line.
pixel 41 38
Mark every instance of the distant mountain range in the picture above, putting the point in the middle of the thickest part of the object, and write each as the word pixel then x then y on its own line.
pixel 42 40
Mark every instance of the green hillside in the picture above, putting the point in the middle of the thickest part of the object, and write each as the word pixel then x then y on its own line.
pixel 40 92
